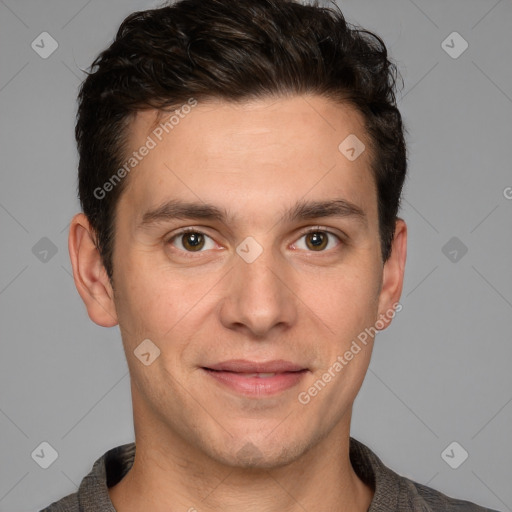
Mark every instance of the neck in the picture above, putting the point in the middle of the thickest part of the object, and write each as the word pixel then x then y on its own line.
pixel 167 474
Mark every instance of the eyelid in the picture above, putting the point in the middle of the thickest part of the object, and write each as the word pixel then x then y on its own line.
pixel 187 229
pixel 314 229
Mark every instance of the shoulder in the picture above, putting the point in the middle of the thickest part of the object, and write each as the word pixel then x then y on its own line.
pixel 396 492
pixel 92 494
pixel 67 504
pixel 430 500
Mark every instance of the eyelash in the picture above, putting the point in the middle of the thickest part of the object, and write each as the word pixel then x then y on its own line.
pixel 191 254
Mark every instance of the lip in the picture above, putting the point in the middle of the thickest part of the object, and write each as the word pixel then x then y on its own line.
pixel 244 366
pixel 239 376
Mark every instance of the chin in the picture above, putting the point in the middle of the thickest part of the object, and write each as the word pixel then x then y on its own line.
pixel 263 453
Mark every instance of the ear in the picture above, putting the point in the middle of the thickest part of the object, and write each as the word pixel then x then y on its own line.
pixel 91 279
pixel 393 276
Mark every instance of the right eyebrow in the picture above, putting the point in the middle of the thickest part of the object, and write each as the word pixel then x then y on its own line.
pixel 175 209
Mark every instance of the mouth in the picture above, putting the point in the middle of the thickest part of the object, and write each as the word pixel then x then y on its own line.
pixel 256 379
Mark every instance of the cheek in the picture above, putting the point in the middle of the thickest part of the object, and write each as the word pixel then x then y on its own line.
pixel 148 307
pixel 156 302
pixel 347 299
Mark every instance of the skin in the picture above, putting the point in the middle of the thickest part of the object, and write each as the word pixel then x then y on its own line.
pixel 200 444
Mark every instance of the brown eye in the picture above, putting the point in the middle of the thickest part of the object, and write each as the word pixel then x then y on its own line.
pixel 317 240
pixel 192 241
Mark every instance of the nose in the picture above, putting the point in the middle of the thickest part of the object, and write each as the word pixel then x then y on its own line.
pixel 259 296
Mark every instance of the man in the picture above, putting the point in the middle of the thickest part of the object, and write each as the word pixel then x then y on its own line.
pixel 241 166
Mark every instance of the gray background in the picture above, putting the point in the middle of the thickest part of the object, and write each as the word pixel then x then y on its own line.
pixel 441 373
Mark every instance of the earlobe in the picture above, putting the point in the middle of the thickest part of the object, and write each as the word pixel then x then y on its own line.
pixel 91 279
pixel 393 275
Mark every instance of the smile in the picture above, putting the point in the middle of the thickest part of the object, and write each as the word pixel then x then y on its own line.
pixel 256 379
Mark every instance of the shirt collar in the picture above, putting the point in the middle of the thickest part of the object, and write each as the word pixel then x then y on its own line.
pixel 389 491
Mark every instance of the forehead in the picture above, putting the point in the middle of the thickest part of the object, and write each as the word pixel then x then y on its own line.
pixel 253 155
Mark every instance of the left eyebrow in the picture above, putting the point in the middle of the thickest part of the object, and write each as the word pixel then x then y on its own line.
pixel 331 208
pixel 302 210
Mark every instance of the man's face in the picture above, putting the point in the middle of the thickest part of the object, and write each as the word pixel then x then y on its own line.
pixel 248 291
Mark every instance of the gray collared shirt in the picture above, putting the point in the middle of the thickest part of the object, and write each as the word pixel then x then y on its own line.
pixel 392 491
